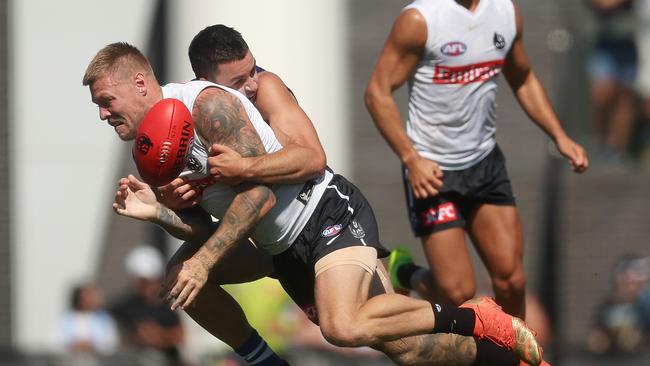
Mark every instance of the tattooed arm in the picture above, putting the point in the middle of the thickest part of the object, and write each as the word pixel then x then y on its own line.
pixel 220 118
pixel 137 200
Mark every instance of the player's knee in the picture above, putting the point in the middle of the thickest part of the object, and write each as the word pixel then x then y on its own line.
pixel 510 284
pixel 459 292
pixel 344 333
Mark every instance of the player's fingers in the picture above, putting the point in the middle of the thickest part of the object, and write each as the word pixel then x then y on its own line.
pixel 217 149
pixel 419 193
pixel 438 173
pixel 579 167
pixel 135 182
pixel 120 197
pixel 585 164
pixel 183 189
pixel 184 294
pixel 189 195
pixel 177 182
pixel 178 286
pixel 166 286
pixel 436 183
pixel 430 189
pixel 190 299
pixel 118 210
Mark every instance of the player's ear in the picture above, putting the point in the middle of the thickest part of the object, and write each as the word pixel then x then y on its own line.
pixel 140 83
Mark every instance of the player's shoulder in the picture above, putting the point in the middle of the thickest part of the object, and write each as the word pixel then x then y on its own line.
pixel 215 91
pixel 270 79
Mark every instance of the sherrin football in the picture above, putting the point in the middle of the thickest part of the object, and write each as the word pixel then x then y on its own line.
pixel 163 142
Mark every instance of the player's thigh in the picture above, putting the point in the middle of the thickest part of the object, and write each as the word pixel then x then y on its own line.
pixel 243 263
pixel 449 260
pixel 497 235
pixel 343 284
pixel 380 283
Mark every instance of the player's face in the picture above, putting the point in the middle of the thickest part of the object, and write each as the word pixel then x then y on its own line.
pixel 117 102
pixel 240 75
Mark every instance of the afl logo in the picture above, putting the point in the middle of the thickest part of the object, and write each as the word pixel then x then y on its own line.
pixel 453 48
pixel 331 231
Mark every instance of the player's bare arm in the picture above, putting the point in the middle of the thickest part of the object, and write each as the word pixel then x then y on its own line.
pixel 398 59
pixel 137 200
pixel 533 99
pixel 302 157
pixel 220 118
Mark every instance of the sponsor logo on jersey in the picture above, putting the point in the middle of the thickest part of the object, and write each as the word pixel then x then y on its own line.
pixel 331 231
pixel 143 144
pixel 356 229
pixel 453 48
pixel 445 212
pixel 466 74
pixel 499 41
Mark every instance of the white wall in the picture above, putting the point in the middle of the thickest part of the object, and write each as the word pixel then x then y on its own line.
pixel 61 152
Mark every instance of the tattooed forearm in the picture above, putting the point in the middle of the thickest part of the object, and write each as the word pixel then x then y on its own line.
pixel 190 225
pixel 174 225
pixel 220 118
pixel 245 211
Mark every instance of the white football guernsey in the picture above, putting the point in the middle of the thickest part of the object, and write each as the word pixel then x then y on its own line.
pixel 294 206
pixel 452 93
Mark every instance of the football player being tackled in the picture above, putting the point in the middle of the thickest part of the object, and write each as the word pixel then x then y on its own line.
pixel 338 278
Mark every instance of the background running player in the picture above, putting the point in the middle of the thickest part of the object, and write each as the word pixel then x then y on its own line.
pixel 455 177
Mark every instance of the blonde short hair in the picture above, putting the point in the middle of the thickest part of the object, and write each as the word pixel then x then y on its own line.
pixel 114 57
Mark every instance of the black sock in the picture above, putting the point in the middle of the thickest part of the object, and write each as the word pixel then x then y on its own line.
pixel 452 319
pixel 404 273
pixel 255 351
pixel 488 353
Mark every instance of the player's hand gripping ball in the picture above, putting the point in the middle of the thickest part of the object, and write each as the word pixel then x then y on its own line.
pixel 163 142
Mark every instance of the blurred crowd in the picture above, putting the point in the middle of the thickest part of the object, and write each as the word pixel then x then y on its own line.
pixel 137 328
pixel 622 322
pixel 618 69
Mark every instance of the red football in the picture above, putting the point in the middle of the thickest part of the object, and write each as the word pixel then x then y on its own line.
pixel 163 142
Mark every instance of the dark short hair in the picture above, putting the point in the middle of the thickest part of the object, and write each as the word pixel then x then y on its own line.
pixel 215 45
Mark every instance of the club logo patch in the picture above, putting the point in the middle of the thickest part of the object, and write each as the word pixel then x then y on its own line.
pixel 445 212
pixel 331 231
pixel 194 164
pixel 499 41
pixel 356 229
pixel 453 48
pixel 143 144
